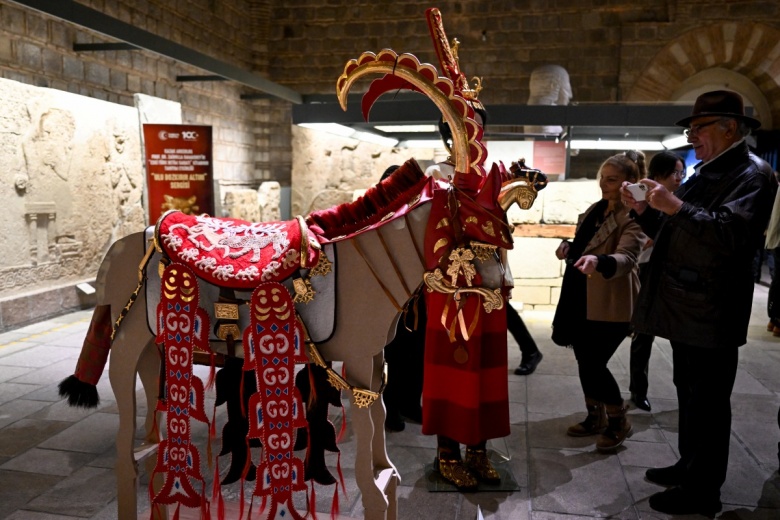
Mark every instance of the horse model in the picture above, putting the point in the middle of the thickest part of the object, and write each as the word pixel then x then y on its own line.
pixel 379 248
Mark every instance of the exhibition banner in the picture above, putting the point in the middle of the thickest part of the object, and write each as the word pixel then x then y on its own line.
pixel 179 170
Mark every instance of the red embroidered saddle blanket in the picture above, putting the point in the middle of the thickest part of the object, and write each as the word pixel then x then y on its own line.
pixel 234 253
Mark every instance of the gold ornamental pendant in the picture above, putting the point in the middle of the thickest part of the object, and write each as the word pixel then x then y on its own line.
pixel 461 355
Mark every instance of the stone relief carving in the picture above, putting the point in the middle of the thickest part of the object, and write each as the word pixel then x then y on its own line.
pixel 126 183
pixel 269 196
pixel 73 183
pixel 40 217
pixel 49 150
pixel 242 204
pixel 261 205
pixel 549 85
pixel 327 169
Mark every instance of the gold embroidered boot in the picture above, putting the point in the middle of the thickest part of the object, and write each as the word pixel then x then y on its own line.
pixel 455 472
pixel 479 464
pixel 450 466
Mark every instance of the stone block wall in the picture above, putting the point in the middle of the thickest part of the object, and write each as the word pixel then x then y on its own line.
pixel 604 46
pixel 261 205
pixel 501 41
pixel 303 44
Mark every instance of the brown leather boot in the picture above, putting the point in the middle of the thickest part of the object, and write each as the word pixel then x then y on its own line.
pixel 594 424
pixel 618 428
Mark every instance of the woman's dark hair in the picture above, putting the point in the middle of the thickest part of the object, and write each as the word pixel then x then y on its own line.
pixel 446 133
pixel 663 164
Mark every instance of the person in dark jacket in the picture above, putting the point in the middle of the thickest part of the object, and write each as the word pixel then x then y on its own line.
pixel 699 290
pixel 668 168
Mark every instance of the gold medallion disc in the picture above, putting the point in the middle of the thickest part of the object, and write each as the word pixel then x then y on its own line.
pixel 461 355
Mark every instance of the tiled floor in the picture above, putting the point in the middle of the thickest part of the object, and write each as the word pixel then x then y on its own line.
pixel 56 462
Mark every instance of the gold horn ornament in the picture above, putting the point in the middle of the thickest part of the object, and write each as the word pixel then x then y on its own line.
pixel 518 191
pixel 467 149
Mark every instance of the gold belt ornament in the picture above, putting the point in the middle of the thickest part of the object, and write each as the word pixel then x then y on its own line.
pixel 227 312
pixel 362 398
pixel 133 297
pixel 304 292
pixel 491 298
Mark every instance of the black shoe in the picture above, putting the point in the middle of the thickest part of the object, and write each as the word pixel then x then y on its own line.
pixel 641 402
pixel 677 501
pixel 394 422
pixel 528 365
pixel 668 476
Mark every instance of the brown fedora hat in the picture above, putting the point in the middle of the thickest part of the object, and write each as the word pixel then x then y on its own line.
pixel 722 103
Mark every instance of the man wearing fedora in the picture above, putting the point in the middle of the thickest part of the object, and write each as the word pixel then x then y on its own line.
pixel 699 290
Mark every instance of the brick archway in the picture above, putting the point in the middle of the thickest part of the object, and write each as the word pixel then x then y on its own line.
pixel 749 49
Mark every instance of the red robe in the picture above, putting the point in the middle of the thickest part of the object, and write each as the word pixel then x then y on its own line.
pixel 467 402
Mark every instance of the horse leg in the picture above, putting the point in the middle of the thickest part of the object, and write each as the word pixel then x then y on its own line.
pixel 379 446
pixel 126 351
pixel 149 372
pixel 372 483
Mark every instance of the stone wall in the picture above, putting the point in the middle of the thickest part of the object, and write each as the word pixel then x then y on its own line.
pixel 261 205
pixel 614 51
pixel 605 46
pixel 502 41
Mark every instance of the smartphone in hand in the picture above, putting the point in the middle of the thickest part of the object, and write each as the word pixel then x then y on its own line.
pixel 637 191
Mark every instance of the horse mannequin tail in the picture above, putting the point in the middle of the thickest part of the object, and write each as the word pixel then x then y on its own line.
pixel 112 286
pixel 81 387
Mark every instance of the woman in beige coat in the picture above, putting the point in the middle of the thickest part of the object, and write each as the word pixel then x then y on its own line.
pixel 599 289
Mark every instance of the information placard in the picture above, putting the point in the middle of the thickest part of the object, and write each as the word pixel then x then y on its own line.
pixel 550 157
pixel 179 173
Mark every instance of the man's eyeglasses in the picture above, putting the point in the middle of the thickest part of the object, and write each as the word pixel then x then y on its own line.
pixel 694 129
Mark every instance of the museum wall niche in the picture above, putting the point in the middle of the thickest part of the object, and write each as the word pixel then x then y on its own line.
pixel 72 184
